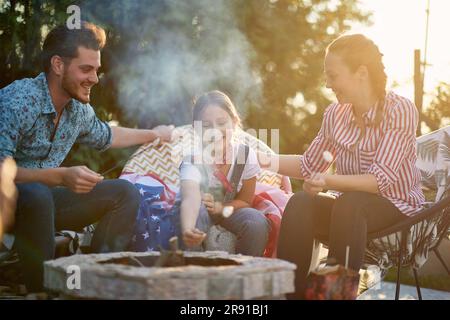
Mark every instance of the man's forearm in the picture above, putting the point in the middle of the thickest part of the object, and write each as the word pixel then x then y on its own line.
pixel 127 137
pixel 50 177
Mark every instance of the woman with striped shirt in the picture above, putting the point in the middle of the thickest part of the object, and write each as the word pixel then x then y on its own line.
pixel 370 136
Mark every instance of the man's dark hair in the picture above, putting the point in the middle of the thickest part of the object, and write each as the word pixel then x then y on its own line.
pixel 64 42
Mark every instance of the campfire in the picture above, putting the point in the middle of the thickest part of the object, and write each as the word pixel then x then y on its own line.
pixel 171 274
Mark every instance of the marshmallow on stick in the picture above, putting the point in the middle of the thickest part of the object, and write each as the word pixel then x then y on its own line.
pixel 327 156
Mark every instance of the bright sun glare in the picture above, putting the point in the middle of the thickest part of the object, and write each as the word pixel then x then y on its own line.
pixel 399 27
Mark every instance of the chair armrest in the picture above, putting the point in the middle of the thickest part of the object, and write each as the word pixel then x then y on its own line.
pixel 409 222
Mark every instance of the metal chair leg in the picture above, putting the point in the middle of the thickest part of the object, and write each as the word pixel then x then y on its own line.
pixel 416 278
pixel 438 254
pixel 397 287
pixel 399 265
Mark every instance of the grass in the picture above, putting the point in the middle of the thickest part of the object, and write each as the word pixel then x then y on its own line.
pixel 436 282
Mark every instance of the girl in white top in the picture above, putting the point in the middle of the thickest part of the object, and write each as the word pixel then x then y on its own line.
pixel 210 170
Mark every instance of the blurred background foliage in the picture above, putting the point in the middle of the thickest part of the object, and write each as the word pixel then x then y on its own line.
pixel 287 39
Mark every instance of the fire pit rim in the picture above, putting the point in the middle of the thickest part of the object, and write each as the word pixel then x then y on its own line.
pixel 275 273
pixel 245 262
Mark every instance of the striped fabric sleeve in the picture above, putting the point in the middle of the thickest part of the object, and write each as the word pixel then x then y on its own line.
pixel 313 160
pixel 397 139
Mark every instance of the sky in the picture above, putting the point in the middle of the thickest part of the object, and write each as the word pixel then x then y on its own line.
pixel 399 27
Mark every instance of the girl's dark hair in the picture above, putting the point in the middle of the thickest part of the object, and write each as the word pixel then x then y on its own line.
pixel 216 98
pixel 64 42
pixel 357 50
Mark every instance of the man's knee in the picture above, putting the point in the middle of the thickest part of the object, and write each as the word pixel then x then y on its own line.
pixel 34 227
pixel 128 193
pixel 34 198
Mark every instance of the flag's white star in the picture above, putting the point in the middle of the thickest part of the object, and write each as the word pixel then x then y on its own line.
pixel 145 235
pixel 155 218
pixel 141 191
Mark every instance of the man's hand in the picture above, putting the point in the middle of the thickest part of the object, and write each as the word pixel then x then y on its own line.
pixel 315 184
pixel 193 237
pixel 164 132
pixel 213 207
pixel 80 179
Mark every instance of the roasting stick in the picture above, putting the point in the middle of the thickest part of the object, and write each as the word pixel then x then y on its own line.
pixel 154 143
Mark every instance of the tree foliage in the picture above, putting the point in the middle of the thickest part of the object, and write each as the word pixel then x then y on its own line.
pixel 266 54
pixel 437 114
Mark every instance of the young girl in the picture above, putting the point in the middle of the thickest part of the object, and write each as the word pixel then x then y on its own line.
pixel 370 134
pixel 206 178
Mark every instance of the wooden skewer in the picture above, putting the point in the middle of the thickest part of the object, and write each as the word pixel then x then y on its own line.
pixel 347 251
pixel 173 242
pixel 153 144
pixel 137 261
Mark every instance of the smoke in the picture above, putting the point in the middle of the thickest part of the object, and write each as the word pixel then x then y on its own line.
pixel 174 50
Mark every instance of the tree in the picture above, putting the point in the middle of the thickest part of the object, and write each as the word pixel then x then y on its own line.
pixel 290 38
pixel 266 54
pixel 23 23
pixel 437 114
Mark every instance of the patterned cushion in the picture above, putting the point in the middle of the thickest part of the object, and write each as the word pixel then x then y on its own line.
pixel 433 160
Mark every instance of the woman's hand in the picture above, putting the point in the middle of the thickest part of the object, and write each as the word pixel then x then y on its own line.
pixel 213 207
pixel 315 184
pixel 193 237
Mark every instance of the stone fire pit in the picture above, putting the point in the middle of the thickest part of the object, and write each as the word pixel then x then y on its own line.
pixel 207 275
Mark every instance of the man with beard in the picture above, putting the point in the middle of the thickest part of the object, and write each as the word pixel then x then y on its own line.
pixel 40 120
